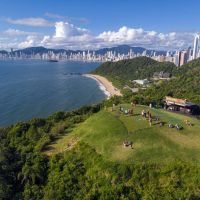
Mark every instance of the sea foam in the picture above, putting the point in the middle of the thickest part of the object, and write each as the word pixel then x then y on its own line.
pixel 101 86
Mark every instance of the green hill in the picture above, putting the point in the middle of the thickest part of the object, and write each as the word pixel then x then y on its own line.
pixel 163 163
pixel 137 68
pixel 80 155
pixel 106 131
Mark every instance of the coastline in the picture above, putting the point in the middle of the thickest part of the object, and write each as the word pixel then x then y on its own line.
pixel 105 85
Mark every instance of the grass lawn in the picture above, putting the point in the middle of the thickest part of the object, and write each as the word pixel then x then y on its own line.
pixel 106 131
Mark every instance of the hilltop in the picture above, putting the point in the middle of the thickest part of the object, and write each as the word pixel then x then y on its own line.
pixel 137 68
pixel 106 131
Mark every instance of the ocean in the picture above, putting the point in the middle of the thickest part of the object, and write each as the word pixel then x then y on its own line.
pixel 36 88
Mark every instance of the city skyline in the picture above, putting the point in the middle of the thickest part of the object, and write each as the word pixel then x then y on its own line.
pixel 179 58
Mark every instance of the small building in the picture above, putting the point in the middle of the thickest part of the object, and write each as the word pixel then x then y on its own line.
pixel 143 82
pixel 181 105
pixel 161 75
pixel 133 90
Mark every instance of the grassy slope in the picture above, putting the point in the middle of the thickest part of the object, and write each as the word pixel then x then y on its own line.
pixel 106 130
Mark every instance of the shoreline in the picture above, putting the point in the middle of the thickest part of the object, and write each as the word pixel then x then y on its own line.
pixel 105 85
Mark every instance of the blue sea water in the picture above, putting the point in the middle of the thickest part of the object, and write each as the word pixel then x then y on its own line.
pixel 36 88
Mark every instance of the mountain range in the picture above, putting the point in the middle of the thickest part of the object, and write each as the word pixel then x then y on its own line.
pixel 122 49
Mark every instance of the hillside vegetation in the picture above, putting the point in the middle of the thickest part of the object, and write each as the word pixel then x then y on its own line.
pixel 186 85
pixel 185 82
pixel 138 68
pixel 80 155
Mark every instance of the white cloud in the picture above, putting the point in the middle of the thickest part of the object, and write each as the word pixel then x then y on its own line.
pixel 66 30
pixel 124 34
pixel 149 39
pixel 69 36
pixel 14 38
pixel 16 32
pixel 30 41
pixel 30 22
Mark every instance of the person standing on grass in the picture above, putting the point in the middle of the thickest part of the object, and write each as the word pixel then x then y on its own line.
pixel 148 113
pixel 150 121
pixel 142 113
pixel 131 109
pixel 133 104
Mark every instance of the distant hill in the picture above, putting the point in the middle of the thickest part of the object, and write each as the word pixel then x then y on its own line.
pixel 125 49
pixel 122 49
pixel 3 52
pixel 40 50
pixel 136 68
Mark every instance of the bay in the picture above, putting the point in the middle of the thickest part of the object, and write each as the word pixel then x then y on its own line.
pixel 37 88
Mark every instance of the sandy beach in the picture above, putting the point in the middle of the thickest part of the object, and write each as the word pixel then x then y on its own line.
pixel 107 84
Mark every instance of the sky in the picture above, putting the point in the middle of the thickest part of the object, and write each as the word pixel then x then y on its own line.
pixel 94 24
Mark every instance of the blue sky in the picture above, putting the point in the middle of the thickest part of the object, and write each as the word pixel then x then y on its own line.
pixel 95 24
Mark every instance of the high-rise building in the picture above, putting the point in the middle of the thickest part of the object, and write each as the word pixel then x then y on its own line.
pixel 131 53
pixel 144 53
pixel 168 54
pixel 183 57
pixel 195 49
pixel 190 54
pixel 177 58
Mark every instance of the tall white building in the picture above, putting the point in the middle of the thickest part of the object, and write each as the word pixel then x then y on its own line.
pixel 195 49
pixel 168 54
pixel 144 53
pixel 177 58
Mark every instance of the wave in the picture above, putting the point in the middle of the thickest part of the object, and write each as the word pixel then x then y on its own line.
pixel 101 86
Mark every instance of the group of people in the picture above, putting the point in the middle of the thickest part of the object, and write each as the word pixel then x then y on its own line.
pixel 133 104
pixel 128 143
pixel 178 127
pixel 188 123
pixel 126 111
pixel 147 115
